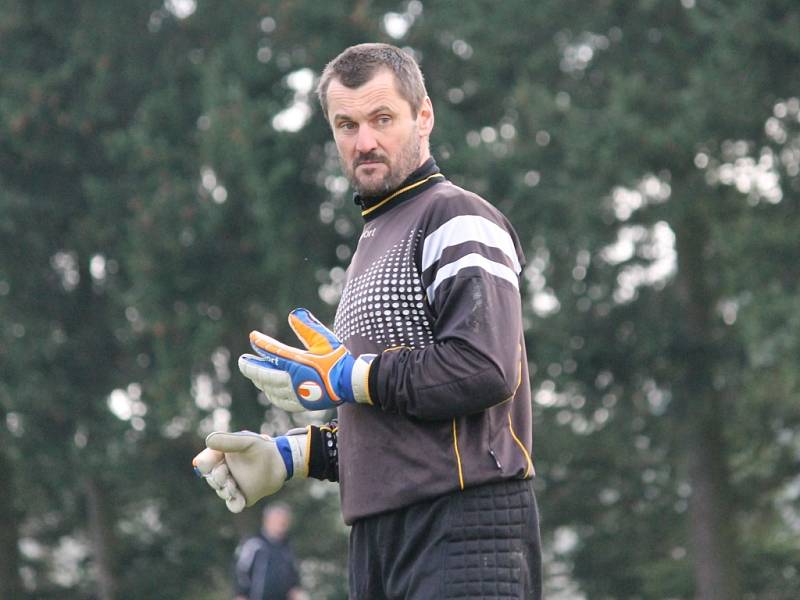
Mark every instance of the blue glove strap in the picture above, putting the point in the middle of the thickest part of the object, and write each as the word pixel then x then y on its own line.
pixel 342 377
pixel 286 454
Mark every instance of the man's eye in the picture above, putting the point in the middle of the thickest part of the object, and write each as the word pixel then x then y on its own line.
pixel 347 125
pixel 384 120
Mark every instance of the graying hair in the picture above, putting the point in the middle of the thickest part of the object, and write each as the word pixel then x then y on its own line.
pixel 356 65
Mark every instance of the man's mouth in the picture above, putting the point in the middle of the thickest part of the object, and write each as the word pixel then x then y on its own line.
pixel 369 162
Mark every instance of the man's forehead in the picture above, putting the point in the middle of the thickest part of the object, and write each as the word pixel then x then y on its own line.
pixel 380 90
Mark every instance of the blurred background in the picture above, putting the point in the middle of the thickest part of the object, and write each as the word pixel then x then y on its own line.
pixel 167 184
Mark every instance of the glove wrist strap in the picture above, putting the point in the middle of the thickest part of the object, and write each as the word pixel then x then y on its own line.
pixel 293 450
pixel 359 378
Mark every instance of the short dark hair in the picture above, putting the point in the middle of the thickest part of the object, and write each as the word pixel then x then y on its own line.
pixel 356 65
pixel 276 505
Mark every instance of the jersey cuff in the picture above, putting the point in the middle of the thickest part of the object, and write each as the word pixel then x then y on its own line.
pixel 323 456
pixel 372 381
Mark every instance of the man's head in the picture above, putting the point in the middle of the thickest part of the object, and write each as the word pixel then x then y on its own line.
pixel 374 98
pixel 276 519
pixel 358 64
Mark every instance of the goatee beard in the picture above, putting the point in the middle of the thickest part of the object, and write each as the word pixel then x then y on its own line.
pixel 405 164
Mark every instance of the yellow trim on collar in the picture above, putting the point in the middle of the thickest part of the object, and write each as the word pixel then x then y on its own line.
pixel 364 213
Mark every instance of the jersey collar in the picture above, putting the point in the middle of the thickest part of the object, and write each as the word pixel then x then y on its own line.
pixel 424 177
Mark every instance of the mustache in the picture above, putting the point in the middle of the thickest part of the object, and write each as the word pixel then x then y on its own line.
pixel 369 157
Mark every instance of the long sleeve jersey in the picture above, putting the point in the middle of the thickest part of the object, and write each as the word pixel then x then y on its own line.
pixel 433 289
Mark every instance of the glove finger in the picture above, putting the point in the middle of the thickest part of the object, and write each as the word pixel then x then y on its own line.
pixel 220 475
pixel 214 485
pixel 204 462
pixel 236 503
pixel 228 490
pixel 231 442
pixel 263 375
pixel 273 350
pixel 264 365
pixel 225 487
pixel 314 335
pixel 298 430
pixel 276 385
pixel 231 488
pixel 256 363
pixel 222 493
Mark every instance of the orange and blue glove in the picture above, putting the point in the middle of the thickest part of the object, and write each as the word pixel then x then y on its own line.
pixel 322 376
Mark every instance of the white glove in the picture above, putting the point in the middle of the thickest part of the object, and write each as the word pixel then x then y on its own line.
pixel 244 467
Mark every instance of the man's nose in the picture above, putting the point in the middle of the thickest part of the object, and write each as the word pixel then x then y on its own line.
pixel 365 142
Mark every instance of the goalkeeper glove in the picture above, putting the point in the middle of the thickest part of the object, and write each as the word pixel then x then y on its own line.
pixel 244 467
pixel 323 376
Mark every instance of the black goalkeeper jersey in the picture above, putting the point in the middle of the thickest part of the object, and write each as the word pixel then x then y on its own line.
pixel 433 289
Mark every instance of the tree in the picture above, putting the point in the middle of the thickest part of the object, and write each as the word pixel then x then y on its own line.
pixel 168 184
pixel 631 142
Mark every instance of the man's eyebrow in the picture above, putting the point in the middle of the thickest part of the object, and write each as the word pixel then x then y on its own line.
pixel 380 109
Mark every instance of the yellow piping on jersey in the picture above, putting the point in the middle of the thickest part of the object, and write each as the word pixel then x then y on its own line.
pixel 529 470
pixel 364 213
pixel 458 455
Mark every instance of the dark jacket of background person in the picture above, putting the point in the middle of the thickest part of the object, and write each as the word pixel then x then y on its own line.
pixel 264 569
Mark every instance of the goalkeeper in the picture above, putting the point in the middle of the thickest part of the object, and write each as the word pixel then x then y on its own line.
pixel 427 366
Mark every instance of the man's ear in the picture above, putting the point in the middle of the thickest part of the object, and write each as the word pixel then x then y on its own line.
pixel 425 118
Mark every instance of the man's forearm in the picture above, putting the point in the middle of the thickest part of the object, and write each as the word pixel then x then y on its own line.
pixel 441 381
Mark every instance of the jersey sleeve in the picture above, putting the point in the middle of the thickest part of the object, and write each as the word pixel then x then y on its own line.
pixel 470 263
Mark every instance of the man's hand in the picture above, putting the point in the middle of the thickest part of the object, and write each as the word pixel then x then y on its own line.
pixel 244 467
pixel 320 377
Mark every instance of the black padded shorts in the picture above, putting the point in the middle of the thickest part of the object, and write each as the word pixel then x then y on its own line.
pixel 479 543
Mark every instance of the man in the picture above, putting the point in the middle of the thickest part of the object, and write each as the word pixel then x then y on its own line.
pixel 264 564
pixel 427 366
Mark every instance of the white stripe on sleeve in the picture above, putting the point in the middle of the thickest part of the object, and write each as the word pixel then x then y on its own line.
pixel 470 260
pixel 468 228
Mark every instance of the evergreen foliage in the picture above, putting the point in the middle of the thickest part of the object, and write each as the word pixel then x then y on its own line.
pixel 167 184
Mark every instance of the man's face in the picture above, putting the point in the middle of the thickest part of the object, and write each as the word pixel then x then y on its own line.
pixel 276 523
pixel 378 140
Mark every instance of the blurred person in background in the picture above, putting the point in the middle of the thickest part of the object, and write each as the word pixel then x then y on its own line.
pixel 264 567
pixel 426 366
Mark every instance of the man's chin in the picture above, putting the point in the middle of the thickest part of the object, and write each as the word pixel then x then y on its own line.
pixel 372 191
pixel 371 188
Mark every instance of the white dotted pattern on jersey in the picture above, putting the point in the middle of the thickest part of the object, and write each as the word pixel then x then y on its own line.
pixel 385 304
